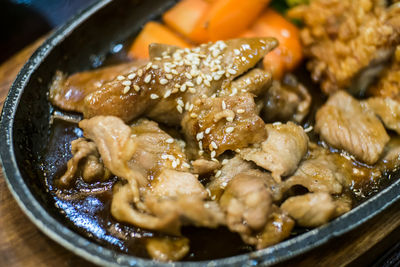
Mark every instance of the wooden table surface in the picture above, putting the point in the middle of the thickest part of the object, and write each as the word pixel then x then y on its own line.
pixel 22 244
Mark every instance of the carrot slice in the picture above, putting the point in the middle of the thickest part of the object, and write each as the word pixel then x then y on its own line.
pixel 185 15
pixel 227 19
pixel 271 23
pixel 154 32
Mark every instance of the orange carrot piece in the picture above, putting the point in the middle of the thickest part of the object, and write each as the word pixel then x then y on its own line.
pixel 275 63
pixel 185 15
pixel 271 23
pixel 227 19
pixel 154 32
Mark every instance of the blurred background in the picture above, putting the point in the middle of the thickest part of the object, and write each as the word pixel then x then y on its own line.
pixel 24 21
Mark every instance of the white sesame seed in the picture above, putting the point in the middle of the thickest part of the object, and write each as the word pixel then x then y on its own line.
pixel 131 76
pixel 174 71
pixel 188 75
pixel 199 79
pixel 169 140
pixel 126 89
pixel 214 145
pixel 213 154
pixel 174 164
pixel 218 173
pixel 236 51
pixel 183 88
pixel 215 53
pixel 277 123
pixel 191 107
pixel 140 73
pixel 200 145
pixel 207 83
pixel 230 119
pixel 308 129
pixel 193 115
pixel 229 129
pixel 208 77
pixel 201 152
pixel 189 84
pixel 154 96
pixel 163 81
pixel 167 70
pixel 187 105
pixel 186 165
pixel 157 58
pixel 163 156
pixel 221 72
pixel 224 184
pixel 217 77
pixel 199 136
pixel 208 130
pixel 126 83
pixel 136 87
pixel 147 79
pixel 234 91
pixel 169 76
pixel 225 161
pixel 240 111
pixel 120 77
pixel 243 59
pixel 237 150
pixel 148 66
pixel 154 67
pixel 223 104
pixel 166 57
pixel 179 108
pixel 167 94
pixel 194 72
pixel 192 90
pixel 180 102
pixel 232 71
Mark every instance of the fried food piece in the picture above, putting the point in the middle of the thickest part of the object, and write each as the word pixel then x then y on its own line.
pixel 345 124
pixel 167 248
pixel 347 41
pixel 387 109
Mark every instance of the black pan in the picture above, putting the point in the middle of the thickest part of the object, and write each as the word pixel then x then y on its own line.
pixel 25 126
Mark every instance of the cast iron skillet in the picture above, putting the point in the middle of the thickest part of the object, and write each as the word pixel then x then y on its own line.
pixel 24 132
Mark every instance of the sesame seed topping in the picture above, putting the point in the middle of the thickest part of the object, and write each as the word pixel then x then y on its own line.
pixel 229 129
pixel 183 88
pixel 191 107
pixel 179 108
pixel 186 165
pixel 131 76
pixel 225 161
pixel 136 87
pixel 201 152
pixel 147 79
pixel 163 81
pixel 199 79
pixel 230 119
pixel 126 83
pixel 154 67
pixel 148 66
pixel 189 83
pixel 169 140
pixel 214 145
pixel 200 145
pixel 218 173
pixel 193 115
pixel 126 89
pixel 223 104
pixel 174 71
pixel 236 51
pixel 207 83
pixel 167 93
pixel 192 90
pixel 243 59
pixel 157 58
pixel 154 96
pixel 120 78
pixel 308 129
pixel 174 164
pixel 140 73
pixel 224 184
pixel 232 71
pixel 199 136
pixel 188 75
pixel 208 130
pixel 169 76
pixel 187 105
pixel 213 154
pixel 180 102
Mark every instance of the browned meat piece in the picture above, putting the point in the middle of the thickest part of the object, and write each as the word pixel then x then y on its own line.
pixel 348 41
pixel 389 82
pixel 310 210
pixel 286 101
pixel 93 169
pixel 247 202
pixel 218 124
pixel 166 86
pixel 230 168
pixel 387 109
pixel 203 166
pixel 256 82
pixel 281 152
pixel 391 156
pixel 345 124
pixel 277 228
pixel 167 248
pixel 328 172
pixel 69 93
pixel 172 184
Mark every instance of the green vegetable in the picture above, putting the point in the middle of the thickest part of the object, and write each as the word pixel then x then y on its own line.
pixel 292 3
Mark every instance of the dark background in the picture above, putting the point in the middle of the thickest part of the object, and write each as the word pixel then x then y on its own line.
pixel 24 21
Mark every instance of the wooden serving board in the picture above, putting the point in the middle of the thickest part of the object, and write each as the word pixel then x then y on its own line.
pixel 22 244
